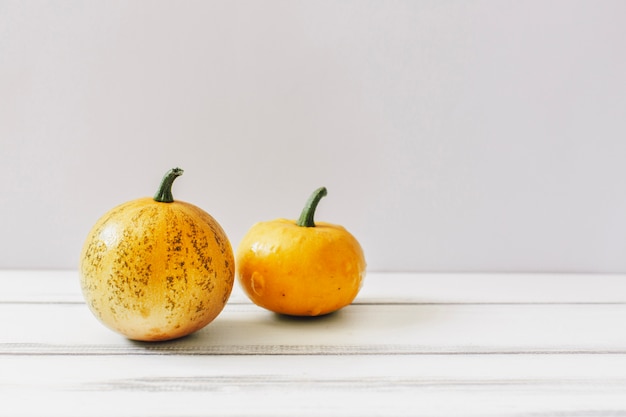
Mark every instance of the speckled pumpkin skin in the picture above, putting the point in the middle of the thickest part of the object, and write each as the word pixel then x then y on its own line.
pixel 300 271
pixel 156 271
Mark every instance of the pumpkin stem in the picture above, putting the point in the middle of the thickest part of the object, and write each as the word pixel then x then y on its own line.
pixel 164 195
pixel 306 218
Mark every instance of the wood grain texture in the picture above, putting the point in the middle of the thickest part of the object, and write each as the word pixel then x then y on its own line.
pixel 411 344
pixel 326 385
pixel 29 286
pixel 359 329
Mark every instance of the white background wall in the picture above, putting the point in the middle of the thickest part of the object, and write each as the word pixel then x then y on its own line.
pixel 452 135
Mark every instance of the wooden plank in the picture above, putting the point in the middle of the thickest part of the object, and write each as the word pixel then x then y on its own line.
pixel 412 344
pixel 63 287
pixel 503 385
pixel 39 286
pixel 245 329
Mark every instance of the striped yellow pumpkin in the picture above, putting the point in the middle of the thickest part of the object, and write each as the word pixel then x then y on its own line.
pixel 157 269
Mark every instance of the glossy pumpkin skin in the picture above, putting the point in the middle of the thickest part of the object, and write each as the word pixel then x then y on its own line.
pixel 300 271
pixel 156 271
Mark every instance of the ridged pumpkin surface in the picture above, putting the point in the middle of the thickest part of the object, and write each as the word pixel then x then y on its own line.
pixel 156 271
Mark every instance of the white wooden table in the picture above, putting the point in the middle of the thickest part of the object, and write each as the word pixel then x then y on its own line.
pixel 411 344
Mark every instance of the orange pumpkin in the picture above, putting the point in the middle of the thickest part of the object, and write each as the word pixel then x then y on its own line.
pixel 300 268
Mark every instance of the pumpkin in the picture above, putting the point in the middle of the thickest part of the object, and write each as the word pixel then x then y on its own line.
pixel 300 268
pixel 156 269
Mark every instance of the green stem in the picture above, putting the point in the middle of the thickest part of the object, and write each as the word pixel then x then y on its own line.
pixel 306 218
pixel 164 195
